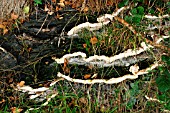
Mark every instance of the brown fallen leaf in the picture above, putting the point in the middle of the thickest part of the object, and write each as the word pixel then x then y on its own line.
pixel 5 30
pixel 93 40
pixel 2 26
pixel 84 45
pixel 83 100
pixel 65 63
pixel 10 80
pixel 2 101
pixel 57 8
pixel 67 2
pixel 47 63
pixel 66 70
pixel 86 9
pixel 12 98
pixel 61 4
pixel 72 103
pixel 15 110
pixel 47 84
pixel 54 1
pixel 50 13
pixel 14 16
pixel 21 84
pixel 86 76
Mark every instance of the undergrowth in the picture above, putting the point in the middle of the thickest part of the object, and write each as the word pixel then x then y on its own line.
pixel 127 96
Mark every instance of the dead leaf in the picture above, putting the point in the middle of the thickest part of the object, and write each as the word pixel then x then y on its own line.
pixel 50 12
pixel 21 20
pixel 86 9
pixel 14 16
pixel 93 40
pixel 2 26
pixel 59 17
pixel 84 45
pixel 86 76
pixel 15 110
pixel 47 84
pixel 54 1
pixel 5 31
pixel 61 1
pixel 72 103
pixel 47 63
pixel 65 63
pixel 46 9
pixel 29 49
pixel 21 84
pixel 61 4
pixel 2 101
pixel 66 70
pixel 83 100
pixel 67 2
pixel 57 8
pixel 12 98
pixel 10 80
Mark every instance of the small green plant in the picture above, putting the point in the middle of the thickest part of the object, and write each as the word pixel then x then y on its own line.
pixel 163 82
pixel 37 2
pixel 132 95
pixel 123 3
pixel 137 14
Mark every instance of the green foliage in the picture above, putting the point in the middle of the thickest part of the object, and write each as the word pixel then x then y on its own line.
pixel 151 11
pixel 163 80
pixel 168 6
pixel 140 10
pixel 166 59
pixel 137 14
pixel 123 3
pixel 37 2
pixel 133 93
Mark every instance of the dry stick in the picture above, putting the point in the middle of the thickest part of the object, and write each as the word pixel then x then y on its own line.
pixel 42 25
pixel 134 31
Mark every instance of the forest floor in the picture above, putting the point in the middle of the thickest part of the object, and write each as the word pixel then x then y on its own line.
pixel 71 57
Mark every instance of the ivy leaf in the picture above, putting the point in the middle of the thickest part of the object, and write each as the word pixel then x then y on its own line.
pixel 166 59
pixel 163 81
pixel 136 18
pixel 134 11
pixel 128 19
pixel 140 10
pixel 163 85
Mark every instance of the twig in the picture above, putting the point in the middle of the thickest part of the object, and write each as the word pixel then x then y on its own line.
pixel 42 24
